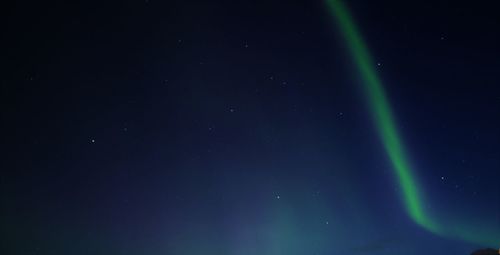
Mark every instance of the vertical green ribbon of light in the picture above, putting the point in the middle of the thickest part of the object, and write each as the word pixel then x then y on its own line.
pixel 386 127
pixel 382 116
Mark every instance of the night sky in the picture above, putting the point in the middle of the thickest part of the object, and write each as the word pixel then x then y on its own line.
pixel 315 127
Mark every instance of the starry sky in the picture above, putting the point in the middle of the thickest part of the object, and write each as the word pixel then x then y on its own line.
pixel 250 127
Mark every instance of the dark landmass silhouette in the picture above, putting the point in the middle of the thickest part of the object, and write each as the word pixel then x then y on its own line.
pixel 486 252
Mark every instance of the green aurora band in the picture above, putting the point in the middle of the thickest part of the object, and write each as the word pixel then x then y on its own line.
pixel 385 124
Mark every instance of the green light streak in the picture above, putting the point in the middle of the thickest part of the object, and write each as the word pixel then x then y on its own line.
pixel 382 116
pixel 385 124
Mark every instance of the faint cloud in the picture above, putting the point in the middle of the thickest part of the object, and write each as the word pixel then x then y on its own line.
pixel 376 246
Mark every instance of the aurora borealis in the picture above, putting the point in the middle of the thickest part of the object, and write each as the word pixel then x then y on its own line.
pixel 391 140
pixel 382 116
pixel 250 128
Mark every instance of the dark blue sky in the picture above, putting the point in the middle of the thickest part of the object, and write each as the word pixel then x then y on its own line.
pixel 232 127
